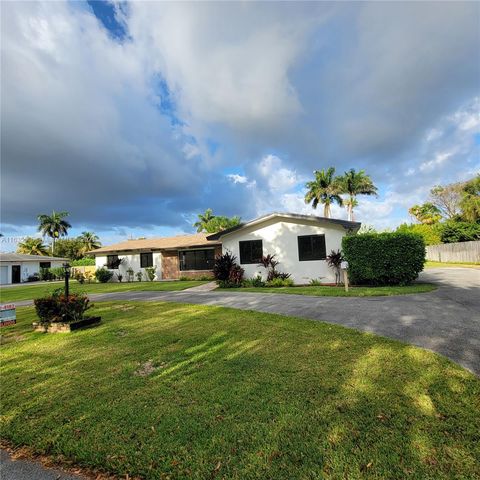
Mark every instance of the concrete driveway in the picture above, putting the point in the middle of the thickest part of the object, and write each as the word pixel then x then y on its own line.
pixel 446 321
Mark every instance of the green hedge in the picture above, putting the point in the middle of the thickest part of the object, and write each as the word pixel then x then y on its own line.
pixel 384 258
pixel 83 262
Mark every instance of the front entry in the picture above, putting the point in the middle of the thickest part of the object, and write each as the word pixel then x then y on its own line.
pixel 15 273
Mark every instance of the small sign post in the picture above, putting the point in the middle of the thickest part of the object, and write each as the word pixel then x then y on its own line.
pixel 8 314
pixel 344 267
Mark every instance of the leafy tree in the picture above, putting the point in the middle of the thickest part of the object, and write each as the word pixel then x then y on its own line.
pixel 427 213
pixel 447 199
pixel 355 183
pixel 210 223
pixel 203 220
pixel 454 231
pixel 53 226
pixel 431 233
pixel 32 246
pixel 325 189
pixel 72 248
pixel 90 241
pixel 470 202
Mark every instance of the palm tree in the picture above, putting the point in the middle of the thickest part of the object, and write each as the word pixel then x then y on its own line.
pixel 54 225
pixel 203 220
pixel 32 246
pixel 90 241
pixel 324 189
pixel 356 183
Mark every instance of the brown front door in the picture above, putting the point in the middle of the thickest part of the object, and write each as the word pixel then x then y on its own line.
pixel 15 273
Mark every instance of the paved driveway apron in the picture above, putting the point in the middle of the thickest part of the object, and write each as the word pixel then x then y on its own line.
pixel 446 321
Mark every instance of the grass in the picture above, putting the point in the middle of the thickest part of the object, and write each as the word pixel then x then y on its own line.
pixel 327 291
pixel 181 391
pixel 29 292
pixel 430 264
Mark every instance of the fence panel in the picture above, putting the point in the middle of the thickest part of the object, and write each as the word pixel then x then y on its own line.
pixel 466 252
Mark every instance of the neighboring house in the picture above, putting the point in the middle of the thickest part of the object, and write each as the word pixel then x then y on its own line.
pixel 17 267
pixel 189 256
pixel 299 242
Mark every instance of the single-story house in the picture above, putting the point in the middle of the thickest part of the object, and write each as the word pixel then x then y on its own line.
pixel 189 256
pixel 17 267
pixel 300 243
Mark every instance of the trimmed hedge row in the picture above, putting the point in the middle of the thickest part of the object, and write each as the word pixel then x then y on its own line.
pixel 384 258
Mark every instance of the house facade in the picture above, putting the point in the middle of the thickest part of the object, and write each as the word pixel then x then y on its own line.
pixel 190 256
pixel 17 267
pixel 299 242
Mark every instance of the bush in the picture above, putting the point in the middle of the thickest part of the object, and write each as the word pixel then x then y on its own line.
pixel 430 233
pixel 103 275
pixel 452 232
pixel 60 308
pixel 79 277
pixel 222 266
pixel 130 274
pixel 150 273
pixel 334 260
pixel 280 282
pixel 45 274
pixel 139 276
pixel 315 282
pixel 83 262
pixel 236 275
pixel 269 262
pixel 33 278
pixel 384 258
pixel 58 273
pixel 255 282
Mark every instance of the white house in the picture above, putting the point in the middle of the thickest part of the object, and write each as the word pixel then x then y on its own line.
pixel 17 267
pixel 299 242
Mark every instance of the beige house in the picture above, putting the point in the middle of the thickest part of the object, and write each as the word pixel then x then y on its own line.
pixel 189 256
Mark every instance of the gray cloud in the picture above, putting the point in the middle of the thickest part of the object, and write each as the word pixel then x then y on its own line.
pixel 346 84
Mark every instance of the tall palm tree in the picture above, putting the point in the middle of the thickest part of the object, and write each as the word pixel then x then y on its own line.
pixel 355 183
pixel 54 225
pixel 324 189
pixel 32 246
pixel 90 241
pixel 203 220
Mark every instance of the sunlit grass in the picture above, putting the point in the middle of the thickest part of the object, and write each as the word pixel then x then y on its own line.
pixel 430 264
pixel 29 292
pixel 181 391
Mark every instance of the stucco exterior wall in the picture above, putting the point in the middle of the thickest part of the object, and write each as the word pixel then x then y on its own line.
pixel 280 238
pixel 26 269
pixel 131 260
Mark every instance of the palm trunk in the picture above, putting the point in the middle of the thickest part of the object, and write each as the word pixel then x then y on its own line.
pixel 53 246
pixel 326 210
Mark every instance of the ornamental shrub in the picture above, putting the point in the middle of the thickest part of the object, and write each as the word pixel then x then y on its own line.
pixel 453 231
pixel 222 266
pixel 384 258
pixel 150 273
pixel 57 307
pixel 430 233
pixel 280 282
pixel 83 262
pixel 103 275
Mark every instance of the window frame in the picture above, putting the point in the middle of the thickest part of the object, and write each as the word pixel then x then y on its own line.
pixel 250 260
pixel 148 255
pixel 109 265
pixel 182 263
pixel 301 257
pixel 43 263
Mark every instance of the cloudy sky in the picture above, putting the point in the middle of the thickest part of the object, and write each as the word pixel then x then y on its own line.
pixel 136 116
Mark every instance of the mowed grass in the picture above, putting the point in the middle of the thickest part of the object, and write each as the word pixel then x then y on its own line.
pixel 29 292
pixel 193 392
pixel 330 291
pixel 430 264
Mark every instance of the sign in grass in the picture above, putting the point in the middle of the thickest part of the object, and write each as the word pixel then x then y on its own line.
pixel 8 314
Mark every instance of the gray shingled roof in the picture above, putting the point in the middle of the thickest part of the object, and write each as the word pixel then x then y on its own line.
pixel 20 257
pixel 344 223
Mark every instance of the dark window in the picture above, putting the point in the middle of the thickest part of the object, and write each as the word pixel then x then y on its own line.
pixel 45 264
pixel 112 261
pixel 146 260
pixel 311 247
pixel 196 259
pixel 251 251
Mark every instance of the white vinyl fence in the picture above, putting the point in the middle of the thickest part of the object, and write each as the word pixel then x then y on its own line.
pixel 455 252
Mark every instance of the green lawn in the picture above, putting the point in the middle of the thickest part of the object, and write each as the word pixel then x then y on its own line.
pixel 430 264
pixel 28 292
pixel 194 392
pixel 326 291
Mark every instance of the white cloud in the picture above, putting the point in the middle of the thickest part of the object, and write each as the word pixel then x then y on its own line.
pixel 235 178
